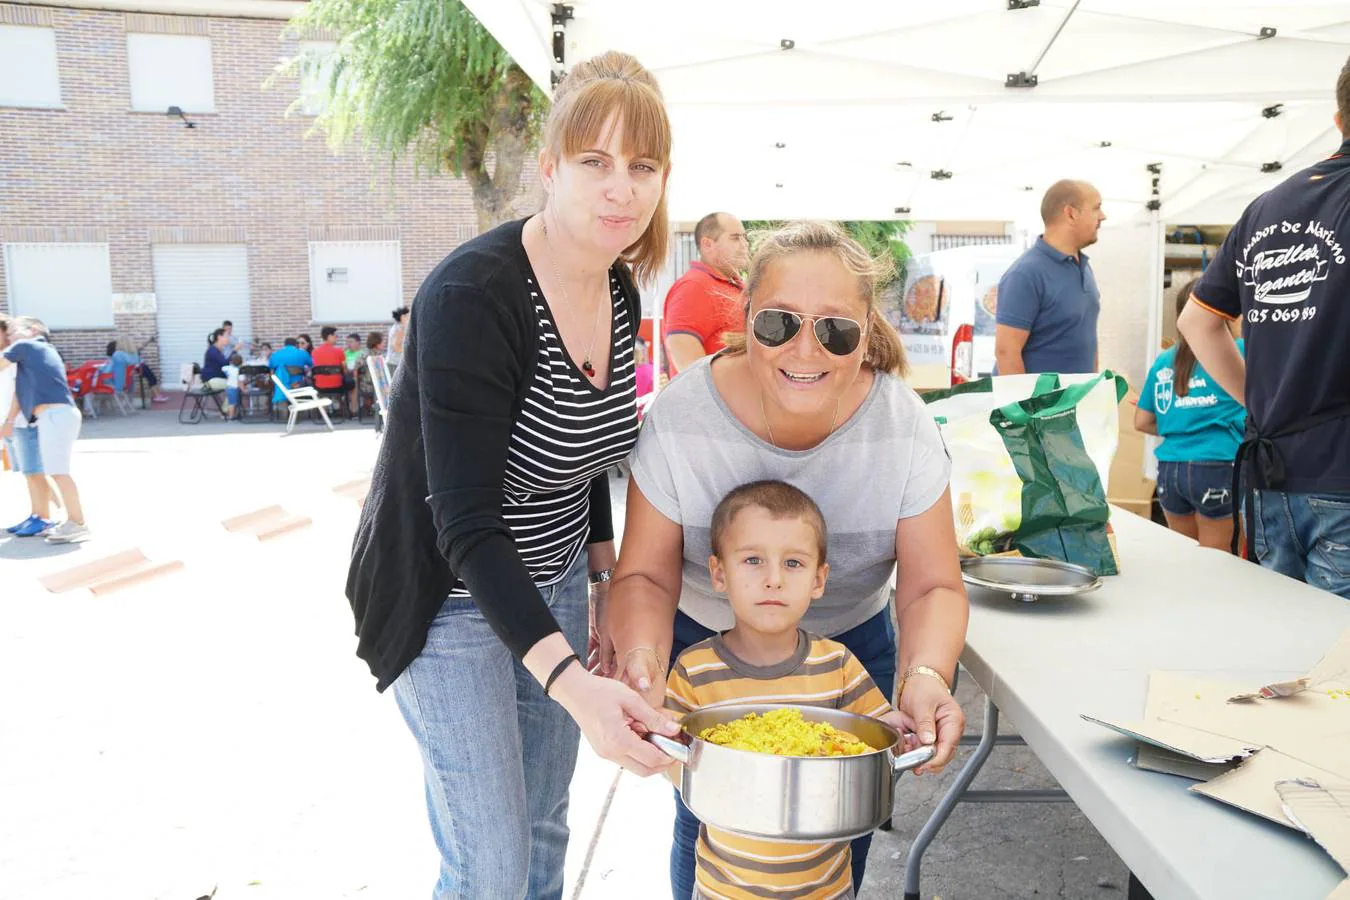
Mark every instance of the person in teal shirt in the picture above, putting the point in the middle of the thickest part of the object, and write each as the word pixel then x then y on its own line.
pixel 289 355
pixel 1201 427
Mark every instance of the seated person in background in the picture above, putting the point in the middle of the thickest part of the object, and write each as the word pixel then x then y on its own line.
pixel 213 366
pixel 353 356
pixel 353 353
pixel 232 343
pixel 232 379
pixel 768 556
pixel 375 344
pixel 288 356
pixel 119 361
pixel 328 353
pixel 262 353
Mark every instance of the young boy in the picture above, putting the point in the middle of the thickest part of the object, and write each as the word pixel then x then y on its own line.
pixel 232 383
pixel 768 556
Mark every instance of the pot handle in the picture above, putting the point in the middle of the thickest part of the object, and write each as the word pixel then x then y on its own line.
pixel 672 747
pixel 914 758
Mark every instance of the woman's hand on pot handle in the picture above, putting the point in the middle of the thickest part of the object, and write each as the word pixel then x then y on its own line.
pixel 611 716
pixel 934 716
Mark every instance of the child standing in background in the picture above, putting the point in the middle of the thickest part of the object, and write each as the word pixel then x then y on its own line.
pixel 232 383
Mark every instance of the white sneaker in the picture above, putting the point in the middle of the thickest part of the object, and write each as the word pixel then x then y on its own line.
pixel 68 532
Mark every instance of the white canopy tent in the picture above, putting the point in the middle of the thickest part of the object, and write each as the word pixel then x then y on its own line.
pixel 970 109
pixel 847 109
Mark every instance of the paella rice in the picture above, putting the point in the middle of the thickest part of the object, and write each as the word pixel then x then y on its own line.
pixel 783 732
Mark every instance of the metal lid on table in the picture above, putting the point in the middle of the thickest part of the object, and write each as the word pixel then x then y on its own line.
pixel 1029 579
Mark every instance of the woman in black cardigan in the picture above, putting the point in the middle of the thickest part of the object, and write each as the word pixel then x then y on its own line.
pixel 489 508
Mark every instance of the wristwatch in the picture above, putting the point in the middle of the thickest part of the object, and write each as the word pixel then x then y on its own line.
pixel 602 576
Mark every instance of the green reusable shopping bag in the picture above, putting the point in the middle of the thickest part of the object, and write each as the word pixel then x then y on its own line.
pixel 1030 454
pixel 1064 510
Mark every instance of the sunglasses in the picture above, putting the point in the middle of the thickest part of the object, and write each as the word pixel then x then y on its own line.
pixel 837 335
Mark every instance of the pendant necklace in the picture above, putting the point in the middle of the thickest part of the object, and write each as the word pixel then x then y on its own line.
pixel 586 365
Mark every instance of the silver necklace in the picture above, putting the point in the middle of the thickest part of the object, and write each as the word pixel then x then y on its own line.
pixel 586 365
pixel 769 428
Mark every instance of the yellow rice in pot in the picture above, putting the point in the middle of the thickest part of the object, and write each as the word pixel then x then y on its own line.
pixel 783 732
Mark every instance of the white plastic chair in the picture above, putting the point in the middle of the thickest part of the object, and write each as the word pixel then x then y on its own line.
pixel 302 400
pixel 379 383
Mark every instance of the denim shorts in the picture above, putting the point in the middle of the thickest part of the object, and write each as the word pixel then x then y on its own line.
pixel 1201 488
pixel 27 455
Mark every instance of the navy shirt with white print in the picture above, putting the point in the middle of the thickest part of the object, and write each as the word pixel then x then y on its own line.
pixel 1285 270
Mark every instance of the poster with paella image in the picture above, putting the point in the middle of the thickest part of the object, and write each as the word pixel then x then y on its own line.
pixel 924 304
pixel 987 274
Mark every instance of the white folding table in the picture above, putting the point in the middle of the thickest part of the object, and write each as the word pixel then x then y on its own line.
pixel 1175 607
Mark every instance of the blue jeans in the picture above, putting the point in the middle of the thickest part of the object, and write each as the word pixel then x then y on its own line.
pixel 873 643
pixel 497 754
pixel 1304 536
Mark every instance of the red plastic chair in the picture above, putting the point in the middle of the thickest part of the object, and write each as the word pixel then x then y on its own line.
pixel 104 387
pixel 83 378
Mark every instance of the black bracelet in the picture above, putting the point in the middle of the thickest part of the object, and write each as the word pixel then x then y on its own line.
pixel 558 670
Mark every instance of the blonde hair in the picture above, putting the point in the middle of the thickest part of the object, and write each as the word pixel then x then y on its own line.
pixel 595 89
pixel 885 351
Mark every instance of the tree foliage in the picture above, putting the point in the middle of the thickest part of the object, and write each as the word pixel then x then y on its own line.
pixel 879 239
pixel 422 79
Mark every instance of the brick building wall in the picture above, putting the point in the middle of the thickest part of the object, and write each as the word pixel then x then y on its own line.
pixel 96 171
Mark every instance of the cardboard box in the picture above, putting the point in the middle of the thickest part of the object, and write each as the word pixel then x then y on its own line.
pixel 1127 487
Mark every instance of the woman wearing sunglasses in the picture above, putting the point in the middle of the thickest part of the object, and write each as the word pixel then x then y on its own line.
pixel 811 395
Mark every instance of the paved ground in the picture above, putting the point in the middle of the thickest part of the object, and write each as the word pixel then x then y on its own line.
pixel 213 730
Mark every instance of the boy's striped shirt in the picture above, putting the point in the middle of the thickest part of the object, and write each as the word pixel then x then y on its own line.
pixel 821 673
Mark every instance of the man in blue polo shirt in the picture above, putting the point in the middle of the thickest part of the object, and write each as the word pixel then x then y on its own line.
pixel 1048 300
pixel 1284 269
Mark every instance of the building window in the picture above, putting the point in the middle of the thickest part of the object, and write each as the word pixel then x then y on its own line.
pixel 354 281
pixel 170 70
pixel 64 285
pixel 28 72
pixel 315 76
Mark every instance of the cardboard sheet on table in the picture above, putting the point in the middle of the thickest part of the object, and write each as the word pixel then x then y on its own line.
pixel 1308 726
pixel 1200 746
pixel 1251 786
pixel 1155 759
pixel 1322 808
pixel 1292 737
pixel 1311 725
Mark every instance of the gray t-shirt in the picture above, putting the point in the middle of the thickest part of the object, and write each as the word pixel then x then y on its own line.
pixel 886 463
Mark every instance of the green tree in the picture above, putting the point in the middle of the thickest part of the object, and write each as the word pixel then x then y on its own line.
pixel 423 79
pixel 878 238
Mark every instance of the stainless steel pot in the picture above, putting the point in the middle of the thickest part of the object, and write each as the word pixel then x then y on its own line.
pixel 790 798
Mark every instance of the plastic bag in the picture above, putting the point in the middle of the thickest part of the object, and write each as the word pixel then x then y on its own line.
pixel 1031 456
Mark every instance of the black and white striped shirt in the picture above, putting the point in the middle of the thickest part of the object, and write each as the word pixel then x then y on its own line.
pixel 568 431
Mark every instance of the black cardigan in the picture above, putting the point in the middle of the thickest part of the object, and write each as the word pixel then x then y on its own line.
pixel 434 511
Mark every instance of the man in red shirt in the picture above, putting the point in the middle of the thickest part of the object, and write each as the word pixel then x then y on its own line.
pixel 705 302
pixel 328 353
